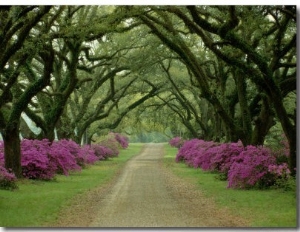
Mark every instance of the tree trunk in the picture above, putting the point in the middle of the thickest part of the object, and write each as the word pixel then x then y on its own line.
pixel 12 149
pixel 49 133
pixel 288 128
pixel 77 138
pixel 263 122
pixel 293 153
pixel 245 112
pixel 217 128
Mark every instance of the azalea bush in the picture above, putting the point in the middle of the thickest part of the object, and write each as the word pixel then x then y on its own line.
pixel 61 157
pixel 243 167
pixel 111 143
pixel 121 139
pixel 282 178
pixel 102 152
pixel 7 179
pixel 82 155
pixel 282 152
pixel 250 168
pixel 88 155
pixel 223 158
pixel 176 142
pixel 280 171
pixel 35 160
pixel 42 159
pixel 193 149
pixel 204 160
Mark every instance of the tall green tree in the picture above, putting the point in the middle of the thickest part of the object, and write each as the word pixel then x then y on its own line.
pixel 266 57
pixel 77 35
pixel 21 39
pixel 270 53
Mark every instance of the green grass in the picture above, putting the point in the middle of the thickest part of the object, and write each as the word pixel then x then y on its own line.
pixel 37 203
pixel 263 208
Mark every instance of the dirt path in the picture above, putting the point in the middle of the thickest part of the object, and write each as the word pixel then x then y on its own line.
pixel 145 194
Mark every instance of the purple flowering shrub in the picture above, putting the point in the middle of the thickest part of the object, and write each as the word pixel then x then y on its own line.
pixel 7 179
pixel 188 151
pixel 102 152
pixel 88 155
pixel 82 155
pixel 61 157
pixel 204 160
pixel 224 157
pixel 41 159
pixel 250 168
pixel 35 161
pixel 191 150
pixel 109 146
pixel 121 139
pixel 111 143
pixel 283 152
pixel 176 142
pixel 280 171
pixel 243 167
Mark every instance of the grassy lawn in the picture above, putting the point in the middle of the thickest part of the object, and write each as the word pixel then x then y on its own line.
pixel 263 208
pixel 38 202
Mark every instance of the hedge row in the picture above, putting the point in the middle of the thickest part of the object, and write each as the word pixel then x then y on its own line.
pixel 243 167
pixel 42 160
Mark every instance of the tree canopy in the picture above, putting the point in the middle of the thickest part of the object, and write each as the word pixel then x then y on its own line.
pixel 221 73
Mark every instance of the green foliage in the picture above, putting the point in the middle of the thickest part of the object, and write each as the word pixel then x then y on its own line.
pixel 289 184
pixel 8 184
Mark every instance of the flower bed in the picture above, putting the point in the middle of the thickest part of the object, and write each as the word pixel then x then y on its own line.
pixel 243 167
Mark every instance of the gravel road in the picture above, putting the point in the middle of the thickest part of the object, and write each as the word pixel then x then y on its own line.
pixel 146 194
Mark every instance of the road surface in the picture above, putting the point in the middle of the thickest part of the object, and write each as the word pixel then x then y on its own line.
pixel 146 194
